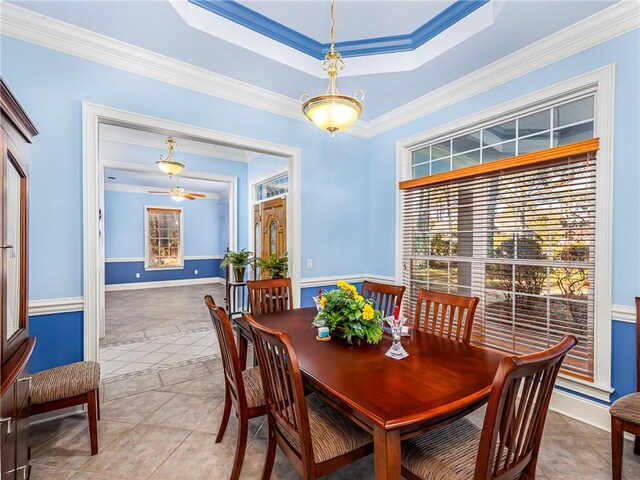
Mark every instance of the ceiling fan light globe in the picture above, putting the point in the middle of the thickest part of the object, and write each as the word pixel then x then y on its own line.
pixel 177 198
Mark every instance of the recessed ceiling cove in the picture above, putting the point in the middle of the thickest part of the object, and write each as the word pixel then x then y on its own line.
pixel 377 37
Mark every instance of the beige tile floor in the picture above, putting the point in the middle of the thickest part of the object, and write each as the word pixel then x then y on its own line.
pixel 144 332
pixel 136 315
pixel 162 425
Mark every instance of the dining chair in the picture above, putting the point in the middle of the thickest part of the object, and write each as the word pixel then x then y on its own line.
pixel 242 389
pixel 268 296
pixel 507 445
pixel 384 296
pixel 315 437
pixel 625 414
pixel 445 314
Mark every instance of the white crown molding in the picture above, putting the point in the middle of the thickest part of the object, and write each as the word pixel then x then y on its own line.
pixel 163 283
pixel 352 278
pixel 120 187
pixel 32 27
pixel 611 22
pixel 623 313
pixel 56 305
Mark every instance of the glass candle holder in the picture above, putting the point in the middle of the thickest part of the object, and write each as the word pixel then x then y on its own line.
pixel 396 351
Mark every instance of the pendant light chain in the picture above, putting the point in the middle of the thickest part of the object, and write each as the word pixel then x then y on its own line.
pixel 332 111
pixel 333 25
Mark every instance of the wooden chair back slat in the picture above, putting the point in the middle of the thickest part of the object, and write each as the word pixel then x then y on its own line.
pixel 445 314
pixel 228 352
pixel 516 413
pixel 385 297
pixel 269 296
pixel 284 391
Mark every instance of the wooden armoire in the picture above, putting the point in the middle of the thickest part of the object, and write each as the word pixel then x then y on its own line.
pixel 15 343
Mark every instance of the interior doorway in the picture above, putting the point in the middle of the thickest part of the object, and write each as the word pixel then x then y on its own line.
pixel 259 157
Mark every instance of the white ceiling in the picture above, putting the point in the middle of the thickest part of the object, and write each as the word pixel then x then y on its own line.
pixel 117 134
pixel 355 20
pixel 161 181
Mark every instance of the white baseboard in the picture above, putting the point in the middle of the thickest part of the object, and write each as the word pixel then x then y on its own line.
pixel 581 409
pixel 352 278
pixel 163 283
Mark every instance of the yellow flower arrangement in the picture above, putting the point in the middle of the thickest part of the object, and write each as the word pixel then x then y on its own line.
pixel 368 312
pixel 349 315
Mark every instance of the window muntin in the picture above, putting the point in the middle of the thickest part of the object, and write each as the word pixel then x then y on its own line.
pixel 272 188
pixel 164 238
pixel 562 124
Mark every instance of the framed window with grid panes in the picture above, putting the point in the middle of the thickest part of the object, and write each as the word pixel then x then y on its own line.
pixel 164 228
pixel 561 124
pixel 272 188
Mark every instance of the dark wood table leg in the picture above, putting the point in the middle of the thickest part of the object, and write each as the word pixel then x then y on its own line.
pixel 386 448
pixel 243 345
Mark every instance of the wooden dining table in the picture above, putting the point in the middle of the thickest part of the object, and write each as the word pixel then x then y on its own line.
pixel 440 381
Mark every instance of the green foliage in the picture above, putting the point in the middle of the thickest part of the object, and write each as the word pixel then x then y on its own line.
pixel 275 266
pixel 237 259
pixel 344 308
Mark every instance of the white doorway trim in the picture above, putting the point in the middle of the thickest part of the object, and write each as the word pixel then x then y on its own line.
pixel 93 199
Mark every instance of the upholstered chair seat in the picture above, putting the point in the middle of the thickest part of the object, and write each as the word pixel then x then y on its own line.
pixel 627 408
pixel 332 434
pixel 65 382
pixel 447 453
pixel 66 386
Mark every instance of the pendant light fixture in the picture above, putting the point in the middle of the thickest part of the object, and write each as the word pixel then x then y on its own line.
pixel 332 111
pixel 169 165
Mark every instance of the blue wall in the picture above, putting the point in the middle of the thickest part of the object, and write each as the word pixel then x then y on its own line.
pixel 59 340
pixel 125 230
pixel 125 272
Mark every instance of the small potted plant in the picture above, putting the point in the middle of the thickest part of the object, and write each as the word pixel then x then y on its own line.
pixel 348 315
pixel 274 266
pixel 238 261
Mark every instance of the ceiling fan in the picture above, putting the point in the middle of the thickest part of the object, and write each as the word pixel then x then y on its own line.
pixel 178 194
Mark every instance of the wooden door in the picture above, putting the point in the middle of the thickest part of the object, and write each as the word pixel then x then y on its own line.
pixel 270 228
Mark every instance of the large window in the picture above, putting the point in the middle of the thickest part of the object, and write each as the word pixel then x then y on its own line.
pixel 551 127
pixel 163 238
pixel 519 234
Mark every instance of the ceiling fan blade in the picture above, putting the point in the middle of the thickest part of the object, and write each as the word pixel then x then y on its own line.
pixel 197 195
pixel 159 192
pixel 188 197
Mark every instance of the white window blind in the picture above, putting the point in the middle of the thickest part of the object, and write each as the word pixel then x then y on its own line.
pixel 520 234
